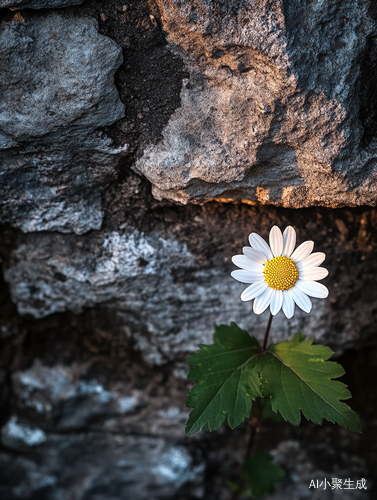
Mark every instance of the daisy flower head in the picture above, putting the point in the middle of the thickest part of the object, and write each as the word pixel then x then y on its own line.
pixel 280 276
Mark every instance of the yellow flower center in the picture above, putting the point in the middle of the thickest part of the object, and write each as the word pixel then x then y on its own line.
pixel 281 273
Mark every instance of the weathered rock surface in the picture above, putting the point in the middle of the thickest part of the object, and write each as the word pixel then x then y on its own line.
pixel 56 90
pixel 168 292
pixel 110 468
pixel 109 427
pixel 270 112
pixel 38 4
pixel 57 190
pixel 59 76
pixel 96 396
pixel 254 100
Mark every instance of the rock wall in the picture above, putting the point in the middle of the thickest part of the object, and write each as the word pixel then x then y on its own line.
pixel 271 109
pixel 140 143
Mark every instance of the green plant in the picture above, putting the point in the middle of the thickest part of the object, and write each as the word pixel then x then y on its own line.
pixel 235 375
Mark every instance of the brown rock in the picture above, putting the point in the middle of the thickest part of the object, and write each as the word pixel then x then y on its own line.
pixel 272 104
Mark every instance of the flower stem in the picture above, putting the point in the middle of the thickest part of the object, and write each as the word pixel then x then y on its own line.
pixel 264 348
pixel 254 426
pixel 254 421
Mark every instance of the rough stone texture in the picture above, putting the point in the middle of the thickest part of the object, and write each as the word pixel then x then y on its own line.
pixel 270 112
pixel 56 91
pixel 37 4
pixel 169 288
pixel 57 190
pixel 96 328
pixel 110 467
pixel 106 426
pixel 59 75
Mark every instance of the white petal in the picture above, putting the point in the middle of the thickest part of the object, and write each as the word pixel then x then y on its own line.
pixel 302 251
pixel 312 289
pixel 263 301
pixel 315 259
pixel 313 273
pixel 247 276
pixel 288 304
pixel 276 302
pixel 301 299
pixel 289 241
pixel 245 263
pixel 276 241
pixel 253 291
pixel 254 254
pixel 258 243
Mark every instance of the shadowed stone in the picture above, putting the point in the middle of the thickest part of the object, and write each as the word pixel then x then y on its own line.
pixel 38 4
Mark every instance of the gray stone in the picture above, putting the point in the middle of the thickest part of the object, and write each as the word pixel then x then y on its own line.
pixel 75 402
pixel 111 467
pixel 58 389
pixel 96 328
pixel 134 274
pixel 22 477
pixel 306 480
pixel 38 4
pixel 132 440
pixel 166 298
pixel 58 190
pixel 59 78
pixel 57 90
pixel 14 434
pixel 270 112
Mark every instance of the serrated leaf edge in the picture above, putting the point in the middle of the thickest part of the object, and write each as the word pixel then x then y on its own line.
pixel 226 414
pixel 310 342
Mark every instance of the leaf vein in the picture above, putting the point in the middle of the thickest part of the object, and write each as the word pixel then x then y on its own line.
pixel 222 384
pixel 310 387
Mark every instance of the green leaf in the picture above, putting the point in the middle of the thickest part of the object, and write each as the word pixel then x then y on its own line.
pixel 297 376
pixel 260 474
pixel 227 380
pixel 267 412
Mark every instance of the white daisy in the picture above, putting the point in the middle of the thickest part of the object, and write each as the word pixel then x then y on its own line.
pixel 280 277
